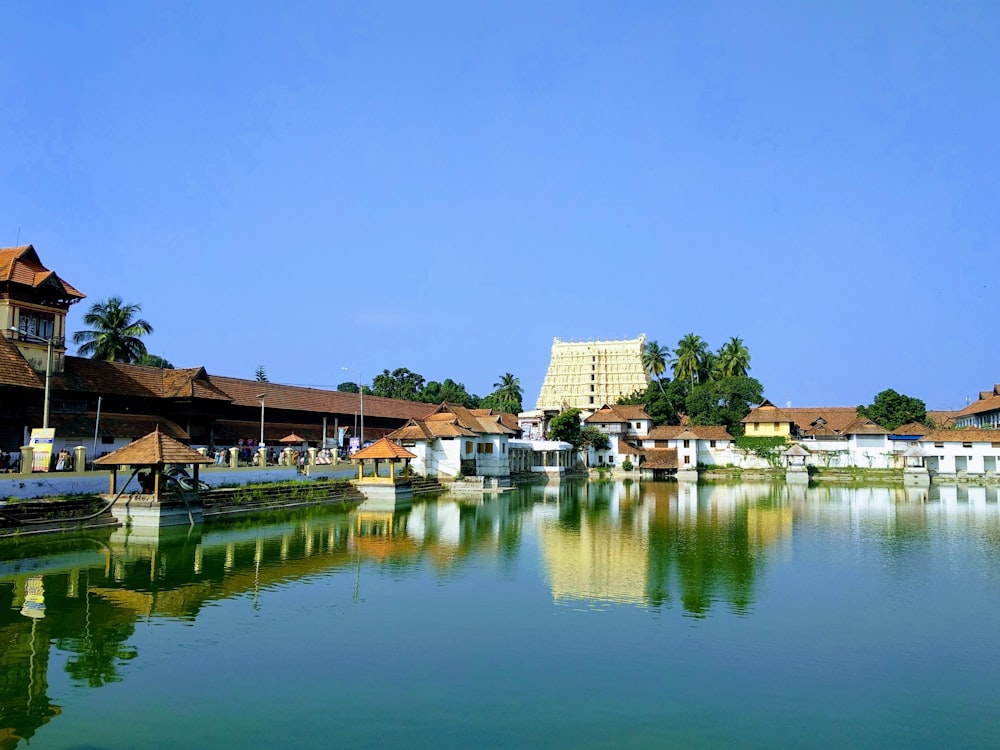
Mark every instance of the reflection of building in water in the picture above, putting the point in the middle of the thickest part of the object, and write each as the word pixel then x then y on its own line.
pixel 687 542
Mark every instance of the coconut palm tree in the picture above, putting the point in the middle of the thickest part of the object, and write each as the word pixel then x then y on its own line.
pixel 114 334
pixel 690 357
pixel 733 359
pixel 508 393
pixel 654 360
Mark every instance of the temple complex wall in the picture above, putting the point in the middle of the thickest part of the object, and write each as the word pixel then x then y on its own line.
pixel 589 374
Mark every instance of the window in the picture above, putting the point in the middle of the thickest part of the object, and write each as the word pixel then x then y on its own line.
pixel 503 447
pixel 591 399
pixel 591 387
pixel 967 445
pixel 637 425
pixel 687 443
pixel 755 426
pixel 777 425
pixel 468 446
pixel 37 324
pixel 711 443
pixel 939 445
pixel 611 459
pixel 592 377
pixel 485 448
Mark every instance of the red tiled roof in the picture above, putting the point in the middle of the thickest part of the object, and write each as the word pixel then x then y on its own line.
pixel 617 413
pixel 660 458
pixel 20 265
pixel 961 436
pixel 14 368
pixel 988 401
pixel 702 432
pixel 154 448
pixel 913 428
pixel 384 448
pixel 244 393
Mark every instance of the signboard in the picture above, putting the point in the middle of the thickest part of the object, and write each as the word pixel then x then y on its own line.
pixel 355 444
pixel 41 447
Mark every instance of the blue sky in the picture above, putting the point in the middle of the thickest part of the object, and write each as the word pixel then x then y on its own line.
pixel 446 186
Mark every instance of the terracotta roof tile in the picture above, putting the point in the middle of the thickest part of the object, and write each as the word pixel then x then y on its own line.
pixel 913 428
pixel 155 448
pixel 384 448
pixel 617 413
pixel 21 265
pixel 14 369
pixel 660 458
pixel 702 432
pixel 276 396
pixel 961 436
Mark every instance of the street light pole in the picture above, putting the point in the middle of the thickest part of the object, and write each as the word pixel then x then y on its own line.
pixel 260 397
pixel 48 371
pixel 361 408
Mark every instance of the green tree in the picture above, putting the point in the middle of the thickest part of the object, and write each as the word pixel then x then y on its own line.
pixel 566 427
pixel 733 359
pixel 725 401
pixel 508 394
pixel 450 391
pixel 348 387
pixel 891 409
pixel 261 374
pixel 654 360
pixel 114 333
pixel 154 360
pixel 400 384
pixel 597 439
pixel 689 358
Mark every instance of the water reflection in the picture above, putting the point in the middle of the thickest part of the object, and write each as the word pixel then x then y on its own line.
pixel 658 546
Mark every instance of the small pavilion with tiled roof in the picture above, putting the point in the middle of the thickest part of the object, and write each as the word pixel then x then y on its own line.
pixel 393 488
pixel 148 506
pixel 383 451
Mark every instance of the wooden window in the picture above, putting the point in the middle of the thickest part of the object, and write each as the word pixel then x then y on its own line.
pixel 711 443
pixel 485 447
pixel 468 446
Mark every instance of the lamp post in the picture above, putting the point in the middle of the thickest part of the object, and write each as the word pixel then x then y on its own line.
pixel 260 397
pixel 48 369
pixel 361 408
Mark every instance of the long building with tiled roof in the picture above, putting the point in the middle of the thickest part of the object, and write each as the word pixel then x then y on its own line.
pixel 113 403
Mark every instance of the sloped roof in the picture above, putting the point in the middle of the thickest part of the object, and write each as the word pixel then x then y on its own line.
pixel 298 398
pixel 21 265
pixel 413 430
pixel 767 412
pixel 505 418
pixel 14 368
pixel 702 432
pixel 912 428
pixel 660 458
pixel 152 450
pixel 617 413
pixel 988 401
pixel 384 448
pixel 942 418
pixel 962 436
pixel 863 426
pixel 795 449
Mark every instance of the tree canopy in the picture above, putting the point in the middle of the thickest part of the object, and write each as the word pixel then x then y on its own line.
pixel 114 333
pixel 565 426
pixel 154 360
pixel 891 409
pixel 507 396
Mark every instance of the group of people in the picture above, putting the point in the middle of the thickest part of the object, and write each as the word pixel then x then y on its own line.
pixel 10 462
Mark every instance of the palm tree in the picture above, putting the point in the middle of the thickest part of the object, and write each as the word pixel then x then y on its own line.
pixel 654 360
pixel 691 355
pixel 115 332
pixel 734 359
pixel 508 393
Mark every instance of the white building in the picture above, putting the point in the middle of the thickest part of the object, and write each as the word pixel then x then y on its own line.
pixel 458 442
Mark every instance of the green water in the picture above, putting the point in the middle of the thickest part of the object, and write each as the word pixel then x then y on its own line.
pixel 576 615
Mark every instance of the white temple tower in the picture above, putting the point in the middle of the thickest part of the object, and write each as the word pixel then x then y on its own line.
pixel 588 374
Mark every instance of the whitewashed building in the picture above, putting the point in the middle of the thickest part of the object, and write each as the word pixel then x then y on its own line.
pixel 458 442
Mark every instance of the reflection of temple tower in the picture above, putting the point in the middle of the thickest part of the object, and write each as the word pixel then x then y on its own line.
pixel 589 374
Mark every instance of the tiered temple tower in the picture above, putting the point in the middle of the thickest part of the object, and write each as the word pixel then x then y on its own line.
pixel 588 374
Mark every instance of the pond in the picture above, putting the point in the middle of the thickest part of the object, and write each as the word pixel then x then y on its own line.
pixel 580 615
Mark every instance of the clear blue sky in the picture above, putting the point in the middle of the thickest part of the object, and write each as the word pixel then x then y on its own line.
pixel 446 186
